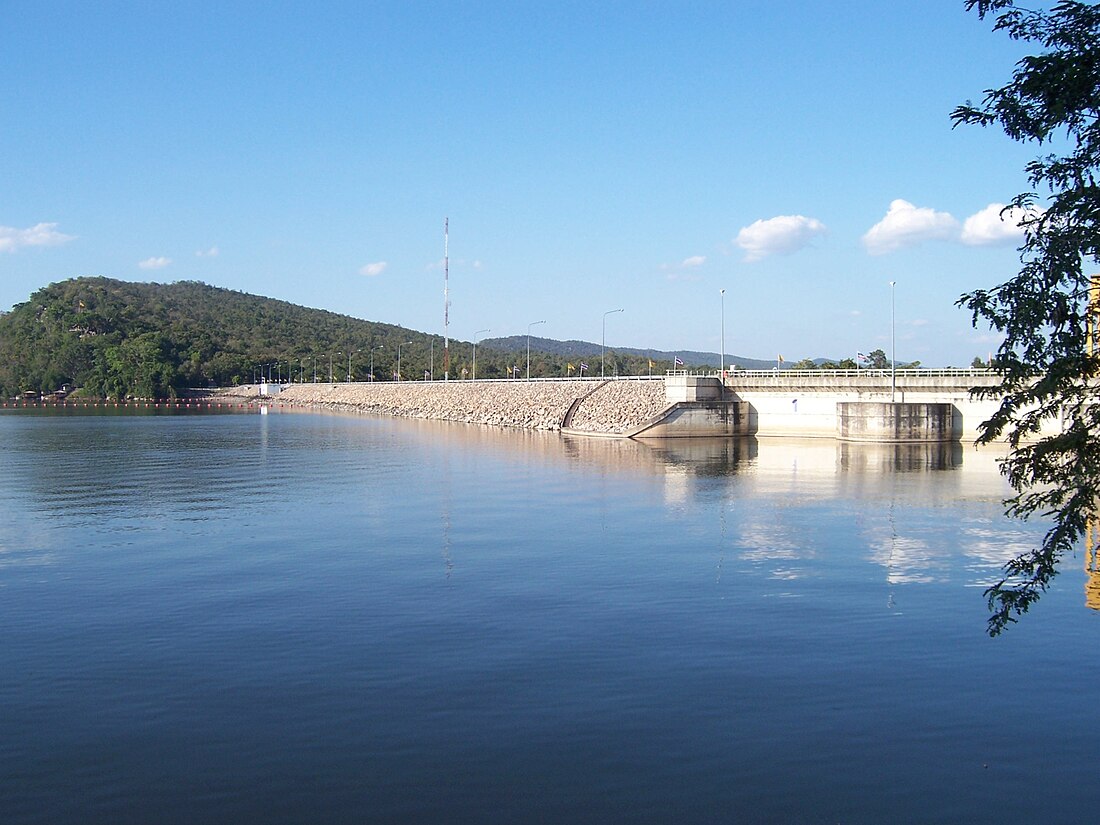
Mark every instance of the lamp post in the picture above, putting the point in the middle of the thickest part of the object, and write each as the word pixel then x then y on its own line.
pixel 314 357
pixel 399 358
pixel 301 370
pixel 349 364
pixel 722 354
pixel 372 349
pixel 603 336
pixel 893 353
pixel 532 324
pixel 475 350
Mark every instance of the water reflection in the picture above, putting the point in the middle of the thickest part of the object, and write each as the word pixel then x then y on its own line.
pixel 1092 566
pixel 225 605
pixel 775 502
pixel 898 458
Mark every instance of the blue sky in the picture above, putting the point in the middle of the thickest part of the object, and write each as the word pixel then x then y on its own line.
pixel 589 157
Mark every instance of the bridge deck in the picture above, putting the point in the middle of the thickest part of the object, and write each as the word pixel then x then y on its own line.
pixel 869 380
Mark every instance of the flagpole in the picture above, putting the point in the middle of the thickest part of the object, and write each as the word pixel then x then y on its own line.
pixel 893 349
pixel 722 357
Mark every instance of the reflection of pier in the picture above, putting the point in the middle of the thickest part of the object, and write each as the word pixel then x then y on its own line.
pixel 1092 566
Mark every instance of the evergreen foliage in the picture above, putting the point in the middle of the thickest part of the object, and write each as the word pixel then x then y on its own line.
pixel 117 339
pixel 1048 373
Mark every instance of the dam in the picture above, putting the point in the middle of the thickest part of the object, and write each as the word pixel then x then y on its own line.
pixel 879 406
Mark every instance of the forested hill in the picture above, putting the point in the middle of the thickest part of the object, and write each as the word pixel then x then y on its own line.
pixel 116 338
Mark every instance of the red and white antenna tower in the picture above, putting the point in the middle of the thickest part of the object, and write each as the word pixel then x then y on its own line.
pixel 446 300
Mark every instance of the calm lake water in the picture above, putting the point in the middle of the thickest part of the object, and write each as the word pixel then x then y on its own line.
pixel 296 618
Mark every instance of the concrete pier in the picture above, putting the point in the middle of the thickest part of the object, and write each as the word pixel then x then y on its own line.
pixel 893 422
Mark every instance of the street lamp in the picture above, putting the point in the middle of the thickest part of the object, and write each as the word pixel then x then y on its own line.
pixel 532 324
pixel 475 349
pixel 722 354
pixel 330 365
pixel 372 349
pixel 349 364
pixel 603 336
pixel 399 358
pixel 893 354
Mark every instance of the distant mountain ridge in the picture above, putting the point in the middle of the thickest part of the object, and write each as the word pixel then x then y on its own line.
pixel 586 349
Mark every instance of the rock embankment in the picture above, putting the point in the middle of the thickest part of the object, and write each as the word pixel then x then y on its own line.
pixel 611 407
pixel 619 406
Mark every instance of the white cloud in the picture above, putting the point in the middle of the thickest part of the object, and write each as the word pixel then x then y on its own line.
pixel 212 252
pixel 370 270
pixel 780 235
pixel 989 226
pixel 685 275
pixel 908 225
pixel 41 234
pixel 154 263
pixel 679 272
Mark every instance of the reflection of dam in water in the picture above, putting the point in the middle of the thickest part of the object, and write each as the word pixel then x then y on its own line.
pixel 761 490
pixel 1092 566
pixel 803 466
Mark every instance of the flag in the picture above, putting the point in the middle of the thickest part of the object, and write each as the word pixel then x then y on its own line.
pixel 569 367
pixel 679 361
pixel 780 359
pixel 861 357
pixel 651 364
pixel 584 366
